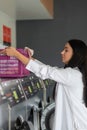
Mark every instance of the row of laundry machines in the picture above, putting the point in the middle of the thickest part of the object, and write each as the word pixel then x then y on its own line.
pixel 26 103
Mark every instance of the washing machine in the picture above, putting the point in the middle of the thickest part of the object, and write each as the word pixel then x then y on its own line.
pixel 24 103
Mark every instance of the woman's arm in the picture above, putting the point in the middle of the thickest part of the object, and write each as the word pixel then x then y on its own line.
pixel 11 51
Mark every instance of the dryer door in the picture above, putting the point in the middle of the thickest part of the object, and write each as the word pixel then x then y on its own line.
pixel 47 117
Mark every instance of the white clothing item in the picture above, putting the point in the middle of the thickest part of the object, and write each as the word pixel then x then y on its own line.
pixel 29 50
pixel 70 111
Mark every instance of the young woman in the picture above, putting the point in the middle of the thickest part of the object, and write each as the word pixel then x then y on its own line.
pixel 71 88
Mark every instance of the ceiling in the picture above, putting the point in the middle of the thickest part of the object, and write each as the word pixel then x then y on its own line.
pixel 33 9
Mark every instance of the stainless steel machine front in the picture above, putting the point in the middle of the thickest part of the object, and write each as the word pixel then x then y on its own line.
pixel 23 101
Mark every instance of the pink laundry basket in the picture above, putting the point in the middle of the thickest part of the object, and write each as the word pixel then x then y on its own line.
pixel 12 67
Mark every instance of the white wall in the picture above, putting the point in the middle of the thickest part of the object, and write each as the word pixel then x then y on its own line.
pixel 8 18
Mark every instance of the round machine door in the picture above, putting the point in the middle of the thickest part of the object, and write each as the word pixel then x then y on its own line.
pixel 47 117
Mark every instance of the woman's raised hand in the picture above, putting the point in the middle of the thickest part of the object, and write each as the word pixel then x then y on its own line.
pixel 9 51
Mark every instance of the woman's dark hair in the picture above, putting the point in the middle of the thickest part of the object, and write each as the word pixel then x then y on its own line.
pixel 79 59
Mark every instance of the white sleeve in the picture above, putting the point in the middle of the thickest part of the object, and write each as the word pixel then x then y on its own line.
pixel 65 76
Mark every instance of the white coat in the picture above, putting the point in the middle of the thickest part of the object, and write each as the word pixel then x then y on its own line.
pixel 70 111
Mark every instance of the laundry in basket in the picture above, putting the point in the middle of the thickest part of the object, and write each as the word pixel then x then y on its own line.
pixel 12 67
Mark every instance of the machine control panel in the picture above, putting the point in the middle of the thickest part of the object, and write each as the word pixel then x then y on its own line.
pixel 31 85
pixel 13 92
pixel 48 82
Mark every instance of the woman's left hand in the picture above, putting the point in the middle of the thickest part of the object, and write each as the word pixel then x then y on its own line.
pixel 9 51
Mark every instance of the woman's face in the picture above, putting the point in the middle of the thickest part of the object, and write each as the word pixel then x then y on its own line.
pixel 67 53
